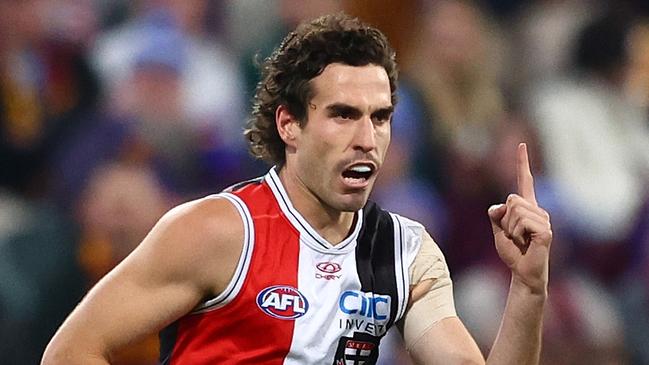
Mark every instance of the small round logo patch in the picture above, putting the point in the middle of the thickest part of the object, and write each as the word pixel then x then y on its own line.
pixel 283 302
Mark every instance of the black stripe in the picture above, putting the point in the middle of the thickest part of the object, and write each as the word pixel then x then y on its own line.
pixel 288 206
pixel 167 342
pixel 375 256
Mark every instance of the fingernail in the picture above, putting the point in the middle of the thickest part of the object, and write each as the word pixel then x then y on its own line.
pixel 494 207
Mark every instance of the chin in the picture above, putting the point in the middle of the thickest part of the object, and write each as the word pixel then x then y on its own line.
pixel 352 203
pixel 351 208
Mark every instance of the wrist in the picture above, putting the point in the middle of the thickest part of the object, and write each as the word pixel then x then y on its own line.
pixel 536 289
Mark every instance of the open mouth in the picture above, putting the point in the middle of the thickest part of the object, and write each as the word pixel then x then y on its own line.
pixel 358 173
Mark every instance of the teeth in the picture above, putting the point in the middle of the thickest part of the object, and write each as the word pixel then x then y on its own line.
pixel 361 169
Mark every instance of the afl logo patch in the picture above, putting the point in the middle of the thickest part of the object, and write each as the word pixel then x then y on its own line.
pixel 283 302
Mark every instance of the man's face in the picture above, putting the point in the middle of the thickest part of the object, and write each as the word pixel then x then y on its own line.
pixel 340 149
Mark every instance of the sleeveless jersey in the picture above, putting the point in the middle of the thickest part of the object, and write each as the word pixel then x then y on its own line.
pixel 295 298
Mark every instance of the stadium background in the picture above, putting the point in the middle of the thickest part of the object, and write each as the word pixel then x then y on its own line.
pixel 113 111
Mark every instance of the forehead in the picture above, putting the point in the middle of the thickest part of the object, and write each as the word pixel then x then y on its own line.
pixel 360 86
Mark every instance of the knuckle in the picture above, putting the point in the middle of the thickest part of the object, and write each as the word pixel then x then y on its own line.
pixel 517 210
pixel 547 237
pixel 511 198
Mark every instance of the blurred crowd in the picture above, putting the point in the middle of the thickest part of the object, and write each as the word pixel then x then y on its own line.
pixel 113 111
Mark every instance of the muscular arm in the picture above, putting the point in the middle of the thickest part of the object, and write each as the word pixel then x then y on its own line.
pixel 189 254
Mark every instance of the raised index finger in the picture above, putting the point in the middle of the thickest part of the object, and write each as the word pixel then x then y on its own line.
pixel 524 175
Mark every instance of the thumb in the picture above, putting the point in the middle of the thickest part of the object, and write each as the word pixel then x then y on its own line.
pixel 496 213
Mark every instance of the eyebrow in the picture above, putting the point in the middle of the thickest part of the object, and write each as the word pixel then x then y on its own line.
pixel 340 108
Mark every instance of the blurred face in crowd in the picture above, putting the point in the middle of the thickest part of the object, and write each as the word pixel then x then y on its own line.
pixel 337 153
pixel 190 14
pixel 121 203
pixel 157 93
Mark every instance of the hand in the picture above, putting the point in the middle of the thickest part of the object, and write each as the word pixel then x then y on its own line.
pixel 522 231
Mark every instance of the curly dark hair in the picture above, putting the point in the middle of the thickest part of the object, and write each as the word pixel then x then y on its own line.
pixel 301 56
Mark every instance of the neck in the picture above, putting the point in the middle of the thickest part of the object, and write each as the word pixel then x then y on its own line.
pixel 332 224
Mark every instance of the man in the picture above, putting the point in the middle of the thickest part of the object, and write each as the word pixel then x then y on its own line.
pixel 298 267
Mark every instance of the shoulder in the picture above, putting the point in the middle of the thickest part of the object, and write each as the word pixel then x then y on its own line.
pixel 207 219
pixel 424 257
pixel 373 211
pixel 410 230
pixel 417 246
pixel 201 238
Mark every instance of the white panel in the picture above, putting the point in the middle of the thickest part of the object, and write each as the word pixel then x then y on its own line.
pixel 321 326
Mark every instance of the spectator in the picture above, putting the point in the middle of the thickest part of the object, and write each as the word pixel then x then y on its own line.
pixel 147 123
pixel 465 108
pixel 210 88
pixel 596 145
pixel 46 90
pixel 118 207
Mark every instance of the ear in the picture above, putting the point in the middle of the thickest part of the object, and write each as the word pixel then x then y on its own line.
pixel 287 126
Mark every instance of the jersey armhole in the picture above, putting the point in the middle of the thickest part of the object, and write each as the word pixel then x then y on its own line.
pixel 241 271
pixel 407 243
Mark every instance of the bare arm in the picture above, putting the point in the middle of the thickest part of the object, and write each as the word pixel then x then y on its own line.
pixel 190 253
pixel 431 329
pixel 519 338
pixel 447 342
pixel 522 235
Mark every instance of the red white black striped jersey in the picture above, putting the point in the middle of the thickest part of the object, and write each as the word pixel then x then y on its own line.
pixel 296 298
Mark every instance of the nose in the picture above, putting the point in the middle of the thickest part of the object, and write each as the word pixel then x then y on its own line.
pixel 365 135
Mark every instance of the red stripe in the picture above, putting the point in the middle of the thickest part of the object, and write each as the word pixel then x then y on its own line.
pixel 240 332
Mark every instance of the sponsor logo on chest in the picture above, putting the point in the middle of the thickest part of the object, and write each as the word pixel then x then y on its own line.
pixel 365 312
pixel 327 271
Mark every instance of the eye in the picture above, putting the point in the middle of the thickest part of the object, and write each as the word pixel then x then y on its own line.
pixel 345 114
pixel 382 117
